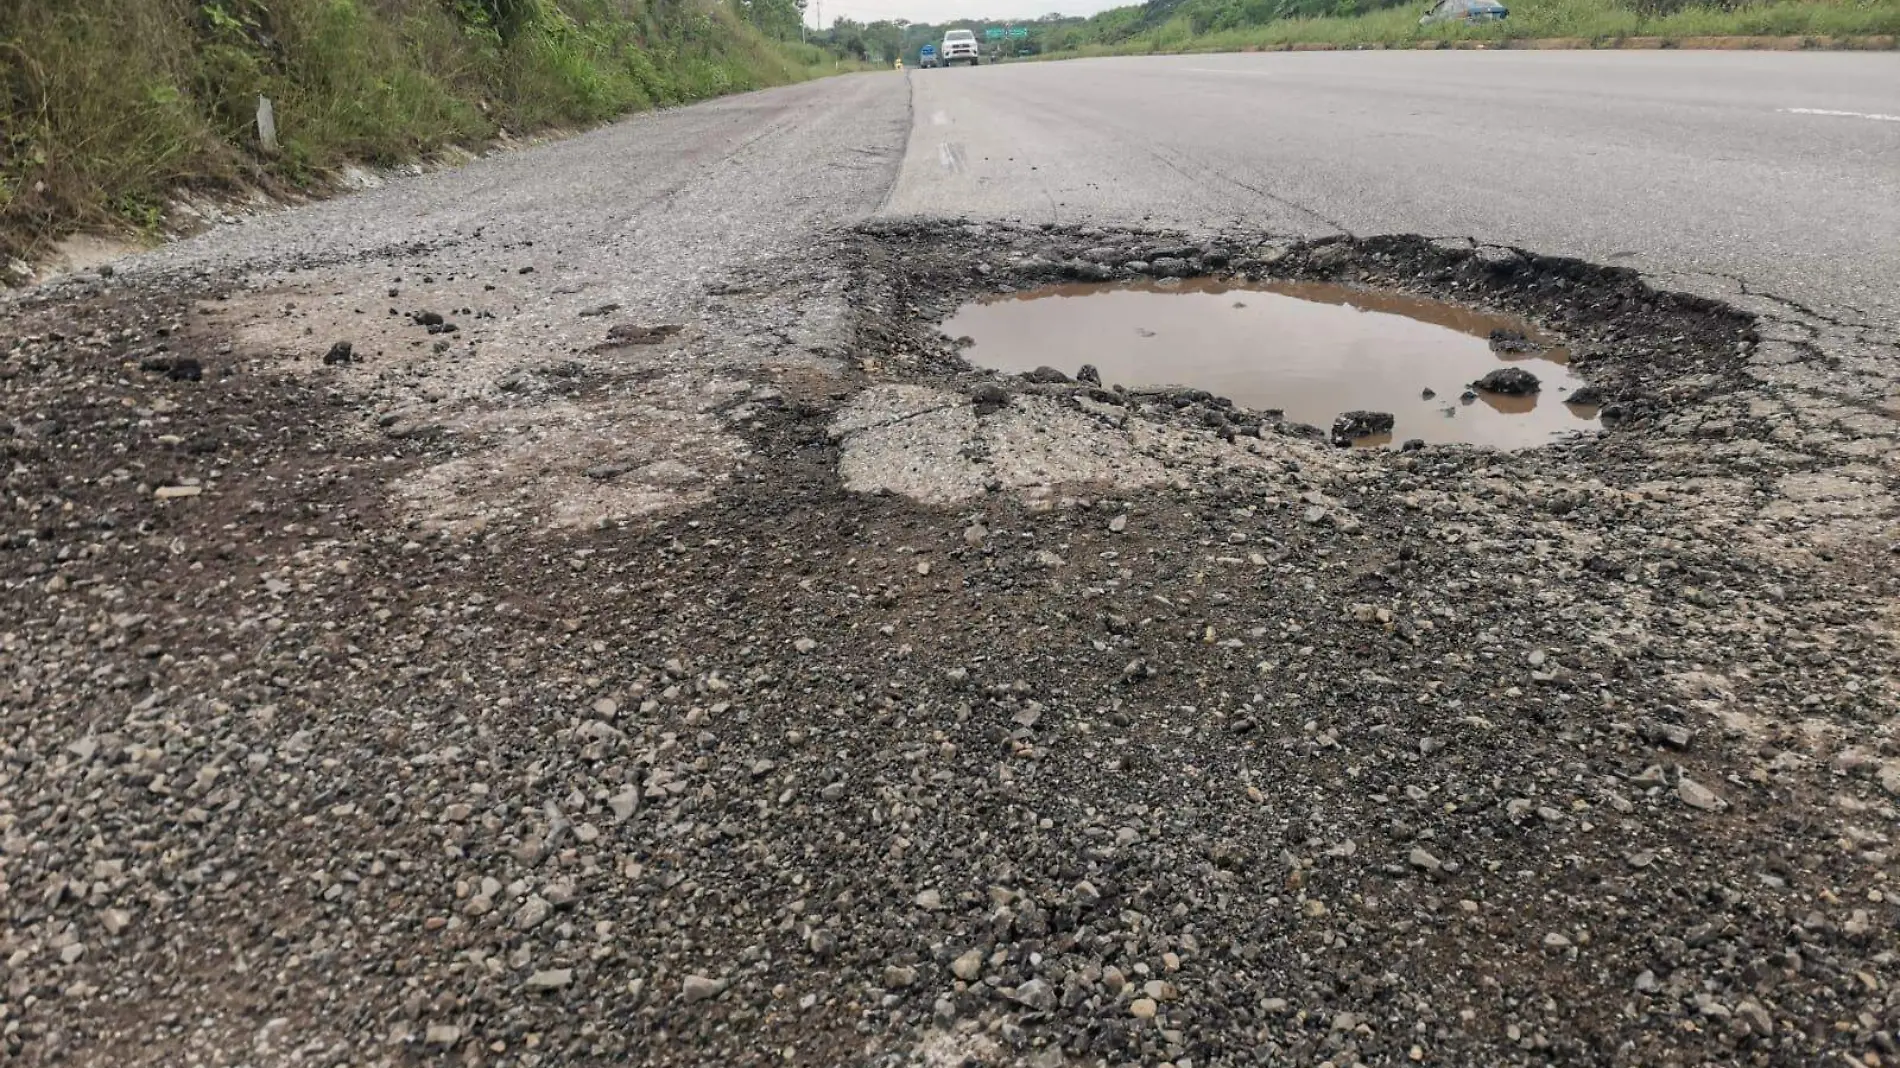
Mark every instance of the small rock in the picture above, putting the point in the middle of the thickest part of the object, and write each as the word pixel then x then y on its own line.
pixel 1118 524
pixel 550 979
pixel 822 943
pixel 804 645
pixel 968 966
pixel 899 977
pixel 1757 1016
pixel 1696 795
pixel 1419 858
pixel 531 914
pixel 698 988
pixel 931 899
pixel 167 493
pixel 1089 374
pixel 1510 381
pixel 1673 735
pixel 1142 1008
pixel 443 1035
pixel 1351 426
pixel 1047 376
pixel 989 395
pixel 341 352
pixel 1035 994
pixel 1553 940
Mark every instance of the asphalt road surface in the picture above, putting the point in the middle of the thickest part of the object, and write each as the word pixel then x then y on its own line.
pixel 1779 169
pixel 579 608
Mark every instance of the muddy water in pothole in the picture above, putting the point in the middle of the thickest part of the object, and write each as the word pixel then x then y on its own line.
pixel 1311 350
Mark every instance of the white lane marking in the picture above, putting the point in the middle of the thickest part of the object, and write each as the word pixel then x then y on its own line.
pixel 950 154
pixel 939 118
pixel 1842 114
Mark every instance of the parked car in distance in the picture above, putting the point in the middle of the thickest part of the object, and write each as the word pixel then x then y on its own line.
pixel 927 56
pixel 959 46
pixel 1472 11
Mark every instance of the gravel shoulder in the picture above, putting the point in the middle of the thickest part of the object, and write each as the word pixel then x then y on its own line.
pixel 689 659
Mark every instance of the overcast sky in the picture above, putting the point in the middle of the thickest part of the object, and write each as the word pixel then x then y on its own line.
pixel 951 10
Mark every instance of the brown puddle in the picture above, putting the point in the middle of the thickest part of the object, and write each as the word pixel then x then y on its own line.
pixel 1312 350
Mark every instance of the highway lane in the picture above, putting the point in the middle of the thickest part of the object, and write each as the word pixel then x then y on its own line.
pixel 1778 171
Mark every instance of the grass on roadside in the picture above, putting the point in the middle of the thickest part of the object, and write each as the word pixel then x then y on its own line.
pixel 1592 20
pixel 108 108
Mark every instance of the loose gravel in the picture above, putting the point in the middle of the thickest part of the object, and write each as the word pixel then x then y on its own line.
pixel 947 718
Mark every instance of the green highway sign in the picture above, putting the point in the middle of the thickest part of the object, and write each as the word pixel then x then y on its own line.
pixel 1019 31
pixel 993 33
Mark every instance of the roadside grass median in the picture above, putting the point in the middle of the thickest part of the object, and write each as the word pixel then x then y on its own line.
pixel 109 110
pixel 1203 26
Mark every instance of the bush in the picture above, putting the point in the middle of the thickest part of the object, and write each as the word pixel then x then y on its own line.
pixel 110 106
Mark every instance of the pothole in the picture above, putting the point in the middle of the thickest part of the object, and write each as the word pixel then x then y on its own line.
pixel 1377 367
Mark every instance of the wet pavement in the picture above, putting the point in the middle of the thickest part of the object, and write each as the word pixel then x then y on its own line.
pixel 1310 350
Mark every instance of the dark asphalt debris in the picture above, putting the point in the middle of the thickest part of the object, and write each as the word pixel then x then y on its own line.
pixel 1318 756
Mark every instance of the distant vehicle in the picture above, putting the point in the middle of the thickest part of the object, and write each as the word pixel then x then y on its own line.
pixel 1472 11
pixel 927 56
pixel 959 46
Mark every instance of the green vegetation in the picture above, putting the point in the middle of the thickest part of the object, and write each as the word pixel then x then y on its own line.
pixel 107 107
pixel 1234 25
pixel 1231 25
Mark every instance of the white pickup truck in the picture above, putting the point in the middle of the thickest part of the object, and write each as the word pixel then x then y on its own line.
pixel 959 46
